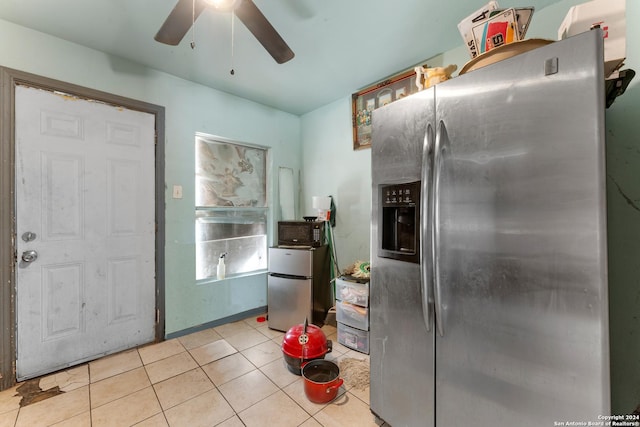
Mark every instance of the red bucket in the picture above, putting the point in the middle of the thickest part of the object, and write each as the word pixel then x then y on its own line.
pixel 321 380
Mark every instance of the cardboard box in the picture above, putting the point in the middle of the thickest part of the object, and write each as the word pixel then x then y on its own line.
pixel 466 25
pixel 496 31
pixel 609 15
pixel 490 14
pixel 523 15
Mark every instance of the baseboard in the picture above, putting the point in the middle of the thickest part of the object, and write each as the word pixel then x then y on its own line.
pixel 234 318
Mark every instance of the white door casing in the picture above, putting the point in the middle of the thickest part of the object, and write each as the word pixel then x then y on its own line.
pixel 85 187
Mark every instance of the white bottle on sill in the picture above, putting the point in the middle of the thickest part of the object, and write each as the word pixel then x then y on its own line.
pixel 221 266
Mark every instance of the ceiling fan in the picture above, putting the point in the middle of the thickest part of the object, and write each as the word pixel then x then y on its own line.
pixel 185 12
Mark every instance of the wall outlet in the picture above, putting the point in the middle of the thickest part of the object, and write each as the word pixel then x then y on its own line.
pixel 177 191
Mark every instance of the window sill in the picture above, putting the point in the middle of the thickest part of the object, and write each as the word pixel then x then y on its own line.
pixel 211 280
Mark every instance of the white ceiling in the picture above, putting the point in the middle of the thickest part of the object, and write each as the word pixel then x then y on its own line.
pixel 340 45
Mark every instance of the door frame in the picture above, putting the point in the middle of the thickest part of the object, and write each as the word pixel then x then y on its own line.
pixel 9 78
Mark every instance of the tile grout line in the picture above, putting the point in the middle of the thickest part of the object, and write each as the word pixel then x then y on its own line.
pixel 89 391
pixel 221 394
pixel 144 366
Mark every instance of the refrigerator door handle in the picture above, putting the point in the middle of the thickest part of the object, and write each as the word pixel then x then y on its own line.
pixel 435 232
pixel 426 272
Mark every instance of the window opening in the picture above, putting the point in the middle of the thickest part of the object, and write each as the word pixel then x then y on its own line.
pixel 231 212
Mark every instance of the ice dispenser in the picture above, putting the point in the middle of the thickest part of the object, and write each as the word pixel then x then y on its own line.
pixel 400 221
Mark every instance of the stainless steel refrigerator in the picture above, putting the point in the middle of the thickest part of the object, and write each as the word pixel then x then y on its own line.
pixel 489 298
pixel 298 286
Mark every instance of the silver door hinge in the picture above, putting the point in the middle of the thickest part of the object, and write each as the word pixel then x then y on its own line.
pixel 157 315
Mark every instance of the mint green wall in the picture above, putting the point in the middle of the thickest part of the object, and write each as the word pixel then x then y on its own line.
pixel 623 199
pixel 331 167
pixel 190 108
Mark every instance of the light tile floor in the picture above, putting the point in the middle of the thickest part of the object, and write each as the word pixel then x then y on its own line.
pixel 230 375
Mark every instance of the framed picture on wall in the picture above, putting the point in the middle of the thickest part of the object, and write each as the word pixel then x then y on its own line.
pixel 375 96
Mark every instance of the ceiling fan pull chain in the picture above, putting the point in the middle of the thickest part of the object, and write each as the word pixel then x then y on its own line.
pixel 233 15
pixel 193 25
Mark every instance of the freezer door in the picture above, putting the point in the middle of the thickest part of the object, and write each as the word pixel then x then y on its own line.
pixel 401 348
pixel 292 262
pixel 289 301
pixel 521 241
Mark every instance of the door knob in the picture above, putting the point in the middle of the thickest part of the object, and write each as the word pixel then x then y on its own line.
pixel 29 256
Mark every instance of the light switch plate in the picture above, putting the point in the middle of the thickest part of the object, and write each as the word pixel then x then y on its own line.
pixel 177 191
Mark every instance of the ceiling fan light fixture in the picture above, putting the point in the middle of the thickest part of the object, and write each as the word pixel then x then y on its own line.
pixel 224 5
pixel 185 12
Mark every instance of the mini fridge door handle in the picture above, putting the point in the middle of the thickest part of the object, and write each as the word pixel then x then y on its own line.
pixel 426 268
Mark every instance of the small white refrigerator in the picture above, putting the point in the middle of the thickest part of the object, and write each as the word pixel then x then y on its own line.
pixel 298 286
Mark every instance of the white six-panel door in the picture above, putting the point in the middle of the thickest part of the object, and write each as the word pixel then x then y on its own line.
pixel 85 230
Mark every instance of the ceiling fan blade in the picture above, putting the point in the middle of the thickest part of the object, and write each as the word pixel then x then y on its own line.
pixel 262 29
pixel 179 21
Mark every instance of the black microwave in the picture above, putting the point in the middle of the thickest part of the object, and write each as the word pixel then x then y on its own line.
pixel 301 233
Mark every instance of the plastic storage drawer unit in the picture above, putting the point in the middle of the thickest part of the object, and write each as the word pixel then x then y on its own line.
pixel 352 315
pixel 352 292
pixel 353 338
